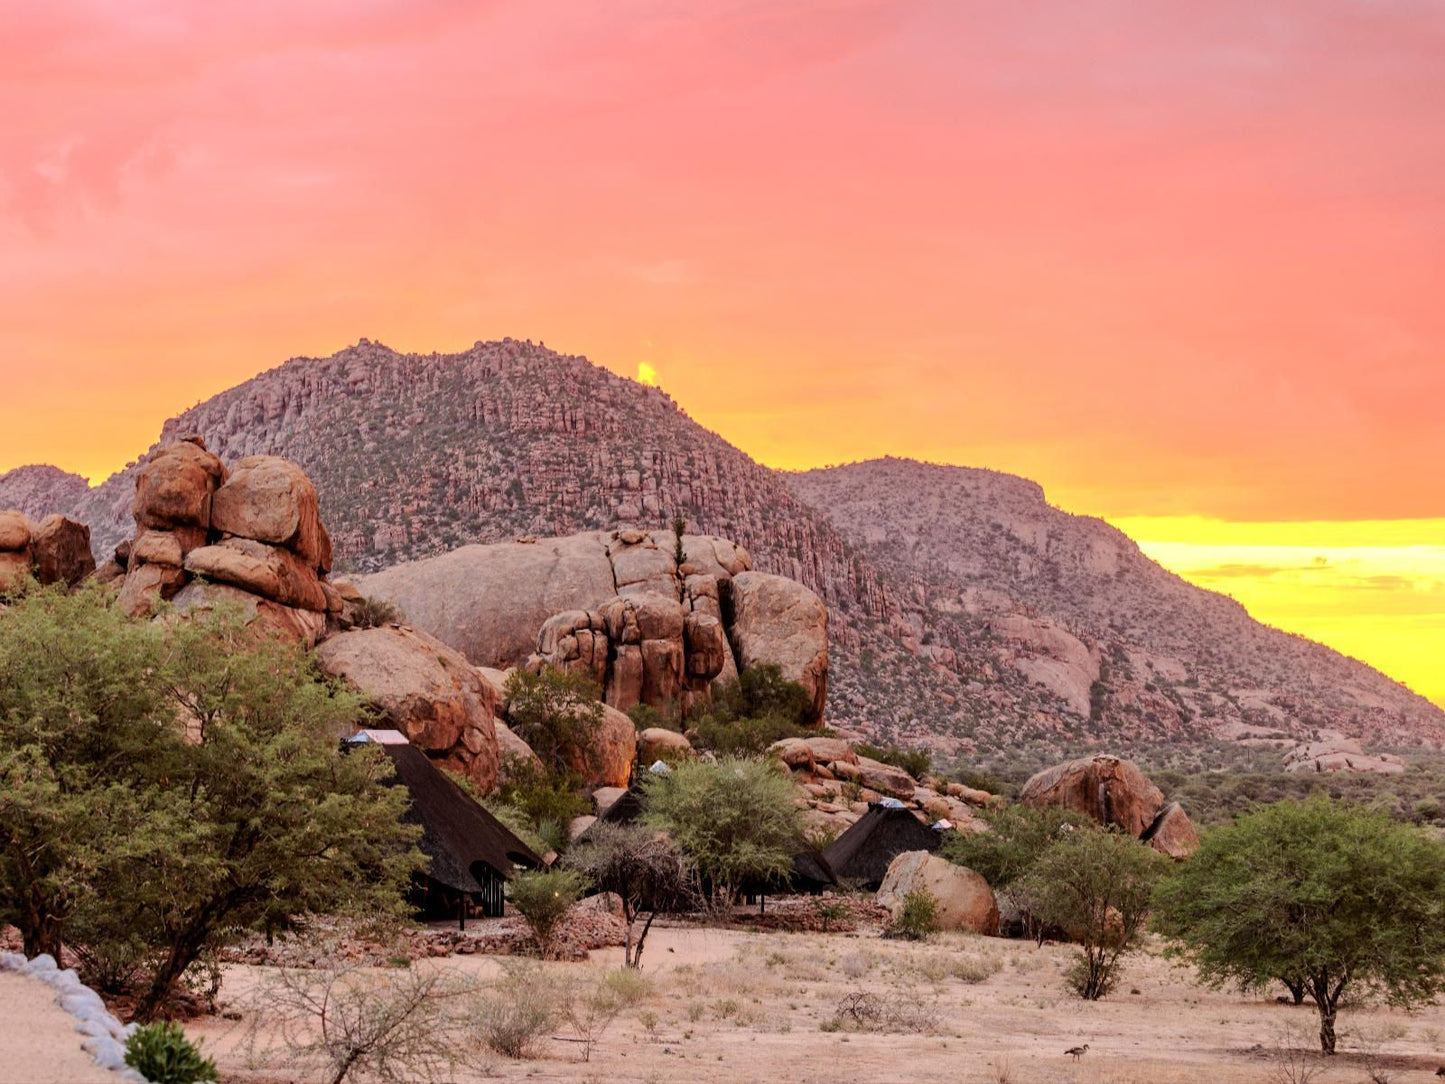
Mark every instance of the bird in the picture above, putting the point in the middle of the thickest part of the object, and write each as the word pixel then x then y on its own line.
pixel 1076 1052
pixel 1440 1071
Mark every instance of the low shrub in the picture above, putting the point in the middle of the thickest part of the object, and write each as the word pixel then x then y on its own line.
pixel 516 1013
pixel 919 918
pixel 543 899
pixel 163 1055
pixel 915 762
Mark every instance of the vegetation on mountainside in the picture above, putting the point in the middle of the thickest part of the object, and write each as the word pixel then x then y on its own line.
pixel 1320 894
pixel 166 786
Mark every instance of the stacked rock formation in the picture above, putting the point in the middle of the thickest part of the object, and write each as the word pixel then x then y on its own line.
pixel 1338 754
pixel 836 785
pixel 251 536
pixel 1117 794
pixel 653 618
pixel 56 550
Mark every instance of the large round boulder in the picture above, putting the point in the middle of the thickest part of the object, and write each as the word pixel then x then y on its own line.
pixel 965 901
pixel 613 751
pixel 424 689
pixel 260 615
pixel 266 570
pixel 61 552
pixel 270 499
pixel 1108 788
pixel 1172 832
pixel 778 620
pixel 174 488
pixel 15 531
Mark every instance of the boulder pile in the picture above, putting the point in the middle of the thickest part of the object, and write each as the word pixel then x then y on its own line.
pixel 1340 755
pixel 1114 792
pixel 55 550
pixel 652 617
pixel 252 535
pixel 836 785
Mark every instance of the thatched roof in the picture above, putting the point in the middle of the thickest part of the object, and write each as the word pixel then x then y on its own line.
pixel 863 852
pixel 465 843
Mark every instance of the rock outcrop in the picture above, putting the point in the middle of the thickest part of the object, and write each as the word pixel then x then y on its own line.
pixel 1109 789
pixel 55 550
pixel 252 536
pixel 965 900
pixel 1117 794
pixel 835 785
pixel 1340 755
pixel 621 607
pixel 425 690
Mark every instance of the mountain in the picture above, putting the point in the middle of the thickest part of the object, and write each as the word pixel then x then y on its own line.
pixel 39 490
pixel 984 548
pixel 974 617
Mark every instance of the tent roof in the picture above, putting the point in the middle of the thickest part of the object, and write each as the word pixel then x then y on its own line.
pixel 457 832
pixel 863 852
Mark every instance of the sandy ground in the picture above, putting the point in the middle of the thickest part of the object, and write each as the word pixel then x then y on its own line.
pixel 38 1040
pixel 741 1006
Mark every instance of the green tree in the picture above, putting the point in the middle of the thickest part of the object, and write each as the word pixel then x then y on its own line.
pixel 1018 836
pixel 81 711
pixel 165 786
pixel 1320 892
pixel 734 820
pixel 1096 885
pixel 556 712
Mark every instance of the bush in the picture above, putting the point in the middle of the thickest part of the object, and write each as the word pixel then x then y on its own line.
pixel 543 899
pixel 556 712
pixel 517 1012
pixel 919 918
pixel 163 1055
pixel 1018 837
pixel 1096 886
pixel 761 690
pixel 371 613
pixel 915 762
pixel 747 737
pixel 540 795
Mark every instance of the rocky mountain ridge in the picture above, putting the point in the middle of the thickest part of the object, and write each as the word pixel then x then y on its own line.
pixel 956 645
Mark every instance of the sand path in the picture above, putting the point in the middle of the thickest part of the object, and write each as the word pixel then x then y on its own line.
pixel 38 1040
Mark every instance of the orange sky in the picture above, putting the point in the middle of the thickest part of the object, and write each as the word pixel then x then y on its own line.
pixel 1172 260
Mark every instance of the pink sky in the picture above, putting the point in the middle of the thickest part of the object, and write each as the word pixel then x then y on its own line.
pixel 1168 259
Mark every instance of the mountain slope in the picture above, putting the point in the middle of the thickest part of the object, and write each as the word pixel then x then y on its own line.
pixel 417 454
pixel 987 545
pixel 39 490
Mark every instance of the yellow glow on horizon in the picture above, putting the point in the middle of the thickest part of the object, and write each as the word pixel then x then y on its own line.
pixel 1374 590
pixel 646 374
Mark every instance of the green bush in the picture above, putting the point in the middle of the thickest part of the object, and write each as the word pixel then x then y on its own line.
pixel 761 690
pixel 556 712
pixel 919 918
pixel 371 613
pixel 915 762
pixel 1018 836
pixel 543 899
pixel 163 1055
pixel 542 796
pixel 749 737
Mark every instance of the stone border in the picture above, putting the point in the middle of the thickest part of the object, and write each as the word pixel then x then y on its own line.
pixel 105 1036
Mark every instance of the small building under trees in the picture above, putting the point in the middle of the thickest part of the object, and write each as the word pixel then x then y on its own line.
pixel 470 853
pixel 862 854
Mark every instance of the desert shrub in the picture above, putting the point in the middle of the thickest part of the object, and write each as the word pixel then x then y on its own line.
pixel 514 1014
pixel 762 690
pixel 540 795
pixel 163 1055
pixel 648 716
pixel 1018 837
pixel 592 1003
pixel 371 613
pixel 862 1011
pixel 396 1026
pixel 987 781
pixel 915 762
pixel 1097 886
pixel 918 919
pixel 543 898
pixel 734 820
pixel 749 736
pixel 556 712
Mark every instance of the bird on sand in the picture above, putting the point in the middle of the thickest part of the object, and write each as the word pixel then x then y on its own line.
pixel 1076 1052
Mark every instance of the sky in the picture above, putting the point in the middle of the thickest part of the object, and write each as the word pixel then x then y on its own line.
pixel 1179 262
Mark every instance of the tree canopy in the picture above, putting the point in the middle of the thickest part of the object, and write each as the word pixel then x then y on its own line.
pixel 1318 893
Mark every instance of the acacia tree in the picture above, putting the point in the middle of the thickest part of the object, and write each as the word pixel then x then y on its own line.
pixel 642 866
pixel 81 713
pixel 1326 893
pixel 1097 886
pixel 734 820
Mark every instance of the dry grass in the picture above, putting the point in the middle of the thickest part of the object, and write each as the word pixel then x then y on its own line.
pixel 724 1006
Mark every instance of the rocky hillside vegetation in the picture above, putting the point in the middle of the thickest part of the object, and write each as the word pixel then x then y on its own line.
pixel 962 635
